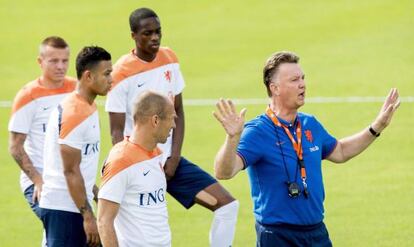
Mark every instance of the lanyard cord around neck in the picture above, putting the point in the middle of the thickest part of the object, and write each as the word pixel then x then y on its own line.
pixel 283 158
pixel 297 146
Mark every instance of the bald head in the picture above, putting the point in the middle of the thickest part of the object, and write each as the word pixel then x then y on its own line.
pixel 149 104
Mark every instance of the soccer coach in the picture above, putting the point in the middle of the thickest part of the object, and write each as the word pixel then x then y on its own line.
pixel 282 151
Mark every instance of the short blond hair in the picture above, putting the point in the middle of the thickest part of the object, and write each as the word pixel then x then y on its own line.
pixel 149 104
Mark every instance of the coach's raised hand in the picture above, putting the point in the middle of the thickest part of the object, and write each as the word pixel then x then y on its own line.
pixel 391 104
pixel 228 163
pixel 228 117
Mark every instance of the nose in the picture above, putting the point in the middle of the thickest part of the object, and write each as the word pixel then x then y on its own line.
pixel 61 65
pixel 302 83
pixel 155 36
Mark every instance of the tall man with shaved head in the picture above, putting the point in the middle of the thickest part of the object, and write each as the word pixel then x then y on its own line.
pixel 282 151
pixel 151 67
pixel 30 113
pixel 132 209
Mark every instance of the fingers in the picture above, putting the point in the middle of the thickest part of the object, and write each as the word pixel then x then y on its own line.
pixel 220 107
pixel 93 239
pixel 243 113
pixel 36 195
pixel 217 116
pixel 391 99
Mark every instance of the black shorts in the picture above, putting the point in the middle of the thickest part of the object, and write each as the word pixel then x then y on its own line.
pixel 188 180
pixel 292 235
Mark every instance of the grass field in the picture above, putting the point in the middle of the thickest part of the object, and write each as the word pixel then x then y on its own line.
pixel 347 48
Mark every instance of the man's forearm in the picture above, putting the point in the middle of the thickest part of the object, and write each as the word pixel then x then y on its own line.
pixel 353 145
pixel 24 162
pixel 107 234
pixel 178 135
pixel 117 136
pixel 77 191
pixel 225 166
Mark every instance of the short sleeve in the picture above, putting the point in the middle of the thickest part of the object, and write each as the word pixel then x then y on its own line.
pixel 179 80
pixel 21 120
pixel 114 189
pixel 23 110
pixel 76 137
pixel 249 146
pixel 327 140
pixel 117 98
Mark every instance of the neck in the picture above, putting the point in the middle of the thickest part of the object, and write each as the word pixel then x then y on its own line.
pixel 147 57
pixel 47 83
pixel 86 94
pixel 283 112
pixel 140 137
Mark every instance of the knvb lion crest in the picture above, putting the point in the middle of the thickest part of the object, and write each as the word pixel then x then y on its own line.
pixel 308 135
pixel 167 75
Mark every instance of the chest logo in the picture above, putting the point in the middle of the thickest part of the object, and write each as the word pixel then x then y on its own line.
pixel 146 173
pixel 167 75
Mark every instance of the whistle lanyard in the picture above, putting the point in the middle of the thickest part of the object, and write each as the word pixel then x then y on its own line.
pixel 297 145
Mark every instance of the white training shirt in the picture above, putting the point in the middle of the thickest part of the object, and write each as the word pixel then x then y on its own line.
pixel 132 76
pixel 30 114
pixel 74 123
pixel 135 179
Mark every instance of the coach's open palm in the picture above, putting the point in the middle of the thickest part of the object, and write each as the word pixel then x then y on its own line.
pixel 232 122
pixel 384 117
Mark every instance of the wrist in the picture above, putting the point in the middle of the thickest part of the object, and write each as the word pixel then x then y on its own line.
pixel 88 215
pixel 373 131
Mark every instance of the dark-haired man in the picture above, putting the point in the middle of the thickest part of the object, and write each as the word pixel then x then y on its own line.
pixel 30 113
pixel 71 155
pixel 150 66
pixel 282 151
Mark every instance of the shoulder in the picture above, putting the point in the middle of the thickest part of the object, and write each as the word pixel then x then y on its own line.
pixel 123 156
pixel 25 95
pixel 257 127
pixel 308 119
pixel 168 54
pixel 70 83
pixel 73 111
pixel 261 122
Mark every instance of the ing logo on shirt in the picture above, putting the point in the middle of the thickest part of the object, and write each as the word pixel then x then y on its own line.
pixel 91 148
pixel 152 198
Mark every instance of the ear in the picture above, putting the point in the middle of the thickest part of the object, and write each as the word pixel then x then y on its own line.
pixel 274 88
pixel 39 60
pixel 87 75
pixel 155 120
pixel 133 35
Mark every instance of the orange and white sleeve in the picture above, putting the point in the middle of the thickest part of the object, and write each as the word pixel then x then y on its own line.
pixel 22 114
pixel 114 184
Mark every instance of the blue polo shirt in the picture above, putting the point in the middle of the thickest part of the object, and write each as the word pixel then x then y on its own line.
pixel 261 147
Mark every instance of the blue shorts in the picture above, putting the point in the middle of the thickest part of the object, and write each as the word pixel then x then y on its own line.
pixel 28 194
pixel 63 228
pixel 292 235
pixel 187 181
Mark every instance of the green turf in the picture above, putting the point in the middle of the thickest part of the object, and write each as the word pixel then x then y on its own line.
pixel 347 48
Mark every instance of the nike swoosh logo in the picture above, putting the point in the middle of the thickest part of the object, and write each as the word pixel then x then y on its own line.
pixel 279 143
pixel 140 84
pixel 45 108
pixel 145 173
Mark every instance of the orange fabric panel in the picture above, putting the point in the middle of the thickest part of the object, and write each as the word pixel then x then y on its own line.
pixel 75 111
pixel 129 64
pixel 124 155
pixel 34 90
